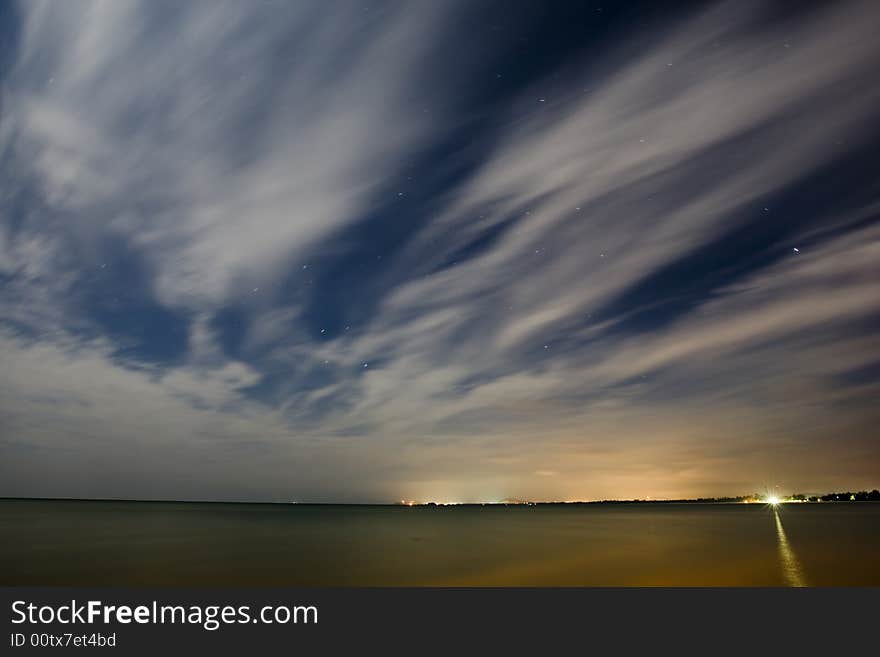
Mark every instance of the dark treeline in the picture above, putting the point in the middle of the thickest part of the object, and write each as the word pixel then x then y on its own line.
pixel 849 496
pixel 861 496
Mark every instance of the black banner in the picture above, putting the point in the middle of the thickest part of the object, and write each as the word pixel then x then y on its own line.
pixel 415 620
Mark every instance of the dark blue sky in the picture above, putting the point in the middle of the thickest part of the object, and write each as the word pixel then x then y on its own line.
pixel 452 251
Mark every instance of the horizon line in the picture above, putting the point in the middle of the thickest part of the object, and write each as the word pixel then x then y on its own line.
pixel 724 499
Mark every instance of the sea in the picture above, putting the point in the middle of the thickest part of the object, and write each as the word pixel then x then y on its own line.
pixel 108 543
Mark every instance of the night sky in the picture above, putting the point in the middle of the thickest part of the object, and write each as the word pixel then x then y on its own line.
pixel 452 251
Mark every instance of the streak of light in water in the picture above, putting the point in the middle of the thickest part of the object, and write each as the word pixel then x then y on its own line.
pixel 791 568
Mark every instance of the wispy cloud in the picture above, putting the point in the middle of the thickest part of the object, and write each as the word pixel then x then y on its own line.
pixel 642 279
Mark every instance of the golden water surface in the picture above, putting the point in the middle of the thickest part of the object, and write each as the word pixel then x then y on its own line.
pixel 145 543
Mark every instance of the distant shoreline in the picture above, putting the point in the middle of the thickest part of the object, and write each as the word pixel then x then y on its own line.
pixel 703 501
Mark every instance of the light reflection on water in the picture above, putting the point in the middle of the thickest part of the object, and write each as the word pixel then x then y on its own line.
pixel 791 569
pixel 144 543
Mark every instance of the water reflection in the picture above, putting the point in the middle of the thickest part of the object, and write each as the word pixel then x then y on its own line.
pixel 791 568
pixel 75 543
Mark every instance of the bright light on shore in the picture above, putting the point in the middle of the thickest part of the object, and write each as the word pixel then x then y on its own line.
pixel 773 500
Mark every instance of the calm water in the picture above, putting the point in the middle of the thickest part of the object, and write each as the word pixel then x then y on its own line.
pixel 107 543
